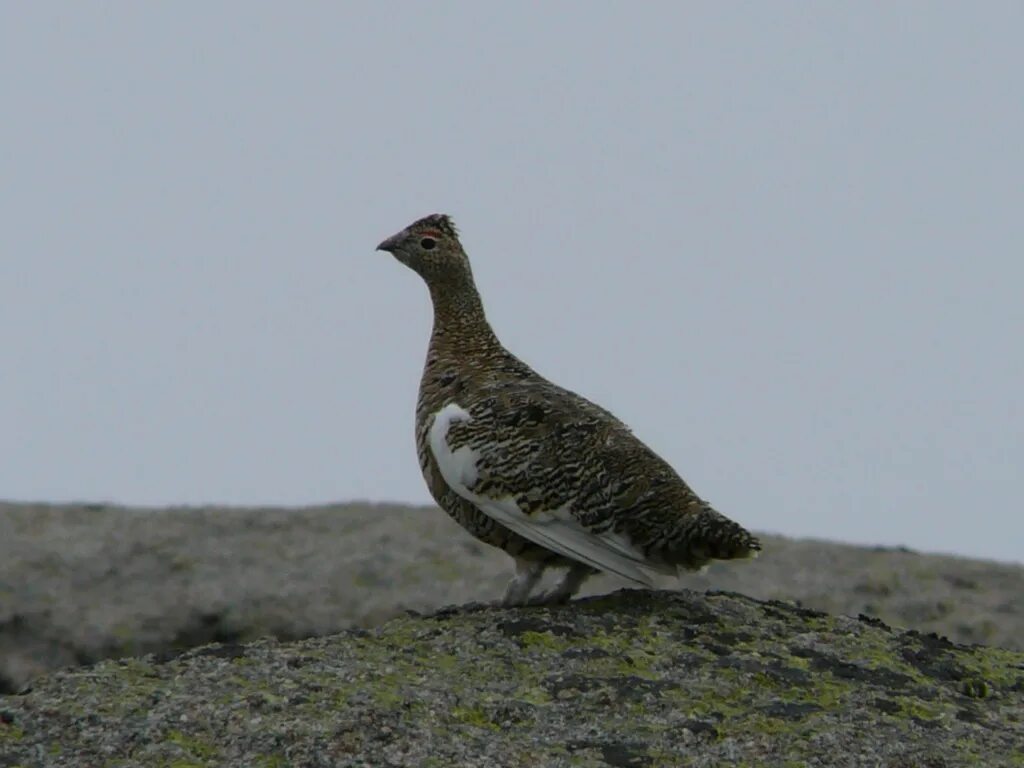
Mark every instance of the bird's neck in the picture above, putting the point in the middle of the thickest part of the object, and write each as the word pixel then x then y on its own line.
pixel 460 326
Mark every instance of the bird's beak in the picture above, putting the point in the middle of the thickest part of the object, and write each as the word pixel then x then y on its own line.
pixel 390 244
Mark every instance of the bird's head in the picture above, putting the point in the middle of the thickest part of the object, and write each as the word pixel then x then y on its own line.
pixel 431 247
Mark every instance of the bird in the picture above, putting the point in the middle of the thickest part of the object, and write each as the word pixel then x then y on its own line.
pixel 534 469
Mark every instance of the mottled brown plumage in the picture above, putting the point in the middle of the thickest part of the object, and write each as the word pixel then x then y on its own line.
pixel 532 468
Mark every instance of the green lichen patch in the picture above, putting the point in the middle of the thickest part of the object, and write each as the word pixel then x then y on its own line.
pixel 192 746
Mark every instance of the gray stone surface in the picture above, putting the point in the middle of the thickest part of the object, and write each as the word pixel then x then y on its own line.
pixel 83 583
pixel 639 679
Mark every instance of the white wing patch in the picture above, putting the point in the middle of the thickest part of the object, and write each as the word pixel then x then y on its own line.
pixel 458 468
pixel 556 530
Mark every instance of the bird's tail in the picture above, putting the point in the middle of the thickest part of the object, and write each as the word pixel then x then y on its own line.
pixel 709 535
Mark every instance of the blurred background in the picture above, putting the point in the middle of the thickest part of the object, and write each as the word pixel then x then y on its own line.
pixel 782 241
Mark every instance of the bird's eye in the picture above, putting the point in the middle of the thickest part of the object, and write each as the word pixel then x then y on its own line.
pixel 428 243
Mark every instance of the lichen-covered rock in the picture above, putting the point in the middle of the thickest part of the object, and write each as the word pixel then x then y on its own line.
pixel 630 679
pixel 79 583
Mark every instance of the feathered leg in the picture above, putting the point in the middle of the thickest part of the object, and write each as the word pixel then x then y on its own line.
pixel 528 573
pixel 567 587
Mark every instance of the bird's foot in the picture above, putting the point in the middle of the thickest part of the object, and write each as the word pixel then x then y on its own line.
pixel 563 591
pixel 551 597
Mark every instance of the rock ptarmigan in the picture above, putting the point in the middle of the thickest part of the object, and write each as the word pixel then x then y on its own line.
pixel 532 468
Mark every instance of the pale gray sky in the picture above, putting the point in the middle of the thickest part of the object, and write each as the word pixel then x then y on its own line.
pixel 783 241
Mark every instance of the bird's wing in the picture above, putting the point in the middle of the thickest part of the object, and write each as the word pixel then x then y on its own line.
pixel 518 458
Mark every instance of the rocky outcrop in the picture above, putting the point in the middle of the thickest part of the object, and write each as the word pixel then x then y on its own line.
pixel 80 583
pixel 631 679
